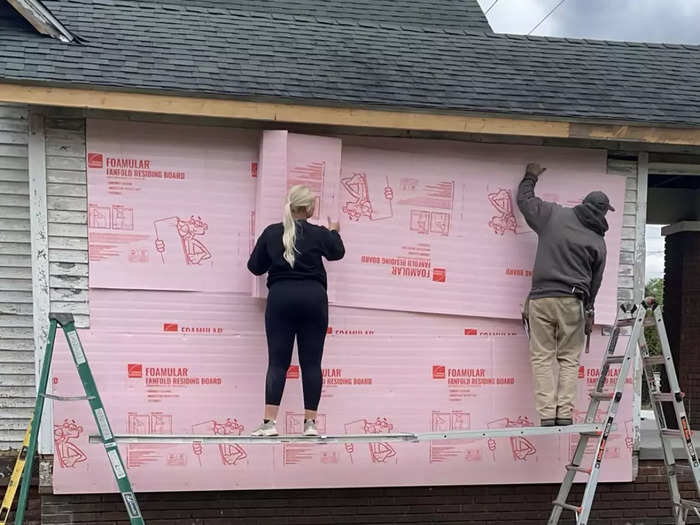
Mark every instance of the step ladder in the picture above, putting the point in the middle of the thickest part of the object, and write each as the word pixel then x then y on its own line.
pixel 634 316
pixel 92 396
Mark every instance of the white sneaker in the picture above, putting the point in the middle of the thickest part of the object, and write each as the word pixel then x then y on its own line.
pixel 266 430
pixel 310 428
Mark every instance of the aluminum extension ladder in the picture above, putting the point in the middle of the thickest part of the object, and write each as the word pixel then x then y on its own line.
pixel 634 316
pixel 26 456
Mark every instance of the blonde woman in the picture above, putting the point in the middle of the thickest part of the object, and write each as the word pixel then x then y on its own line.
pixel 291 253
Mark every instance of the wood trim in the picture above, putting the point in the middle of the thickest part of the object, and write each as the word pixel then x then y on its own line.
pixel 339 116
pixel 40 263
pixel 639 134
pixel 270 111
pixel 640 255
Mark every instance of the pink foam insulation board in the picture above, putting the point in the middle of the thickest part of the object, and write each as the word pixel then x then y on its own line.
pixel 434 226
pixel 422 335
pixel 289 159
pixel 178 362
pixel 170 207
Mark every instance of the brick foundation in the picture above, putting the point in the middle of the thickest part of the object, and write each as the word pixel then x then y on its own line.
pixel 644 502
pixel 32 515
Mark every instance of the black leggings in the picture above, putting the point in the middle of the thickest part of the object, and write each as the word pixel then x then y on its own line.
pixel 295 308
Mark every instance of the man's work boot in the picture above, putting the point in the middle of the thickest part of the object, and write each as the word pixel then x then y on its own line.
pixel 564 421
pixel 549 422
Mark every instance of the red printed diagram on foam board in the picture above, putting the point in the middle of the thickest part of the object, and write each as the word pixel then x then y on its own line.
pixel 68 453
pixel 505 221
pixel 305 453
pixel 371 198
pixel 190 231
pixel 230 453
pixel 445 451
pixel 521 448
pixel 358 202
pixel 379 451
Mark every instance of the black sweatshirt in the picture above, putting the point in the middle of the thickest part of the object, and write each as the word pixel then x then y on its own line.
pixel 570 252
pixel 312 243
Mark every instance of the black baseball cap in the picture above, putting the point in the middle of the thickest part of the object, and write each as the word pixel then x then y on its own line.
pixel 599 200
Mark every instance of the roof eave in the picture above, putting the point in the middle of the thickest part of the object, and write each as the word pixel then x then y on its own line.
pixel 318 113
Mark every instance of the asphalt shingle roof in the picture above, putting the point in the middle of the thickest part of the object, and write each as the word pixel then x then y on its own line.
pixel 198 47
pixel 464 14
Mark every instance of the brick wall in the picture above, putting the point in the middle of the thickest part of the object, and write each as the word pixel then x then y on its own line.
pixel 682 314
pixel 643 502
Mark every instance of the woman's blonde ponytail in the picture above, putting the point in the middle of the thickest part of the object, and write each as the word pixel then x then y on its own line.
pixel 300 198
pixel 289 237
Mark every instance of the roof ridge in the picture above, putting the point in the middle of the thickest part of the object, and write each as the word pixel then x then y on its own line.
pixel 406 26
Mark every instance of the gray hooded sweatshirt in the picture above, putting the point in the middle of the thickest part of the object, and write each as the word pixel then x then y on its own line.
pixel 571 247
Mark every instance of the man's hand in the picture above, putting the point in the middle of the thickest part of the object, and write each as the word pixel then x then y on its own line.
pixel 534 169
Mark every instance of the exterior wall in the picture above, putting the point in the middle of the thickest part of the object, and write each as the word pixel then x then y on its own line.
pixel 66 191
pixel 67 239
pixel 644 502
pixel 17 391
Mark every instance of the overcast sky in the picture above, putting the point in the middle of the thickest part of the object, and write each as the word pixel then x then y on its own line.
pixel 671 21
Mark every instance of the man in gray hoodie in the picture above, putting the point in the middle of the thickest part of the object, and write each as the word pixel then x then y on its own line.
pixel 565 281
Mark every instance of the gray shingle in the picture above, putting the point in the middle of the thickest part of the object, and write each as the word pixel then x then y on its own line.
pixel 190 47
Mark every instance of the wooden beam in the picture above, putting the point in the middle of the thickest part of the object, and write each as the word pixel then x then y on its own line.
pixel 673 168
pixel 639 134
pixel 270 111
pixel 97 99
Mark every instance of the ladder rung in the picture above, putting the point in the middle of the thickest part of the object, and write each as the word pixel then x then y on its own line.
pixel 683 468
pixel 630 322
pixel 615 359
pixel 573 508
pixel 669 432
pixel 690 504
pixel 585 470
pixel 654 360
pixel 67 398
pixel 592 433
pixel 602 395
pixel 665 396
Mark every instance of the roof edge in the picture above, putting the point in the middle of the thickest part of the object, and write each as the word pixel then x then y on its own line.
pixel 351 116
pixel 41 18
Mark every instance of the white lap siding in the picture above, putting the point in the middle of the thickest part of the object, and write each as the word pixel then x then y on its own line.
pixel 17 391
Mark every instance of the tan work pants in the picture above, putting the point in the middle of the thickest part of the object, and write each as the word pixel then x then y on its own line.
pixel 556 333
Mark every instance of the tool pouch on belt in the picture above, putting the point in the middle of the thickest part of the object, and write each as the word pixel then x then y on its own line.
pixel 589 315
pixel 524 315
